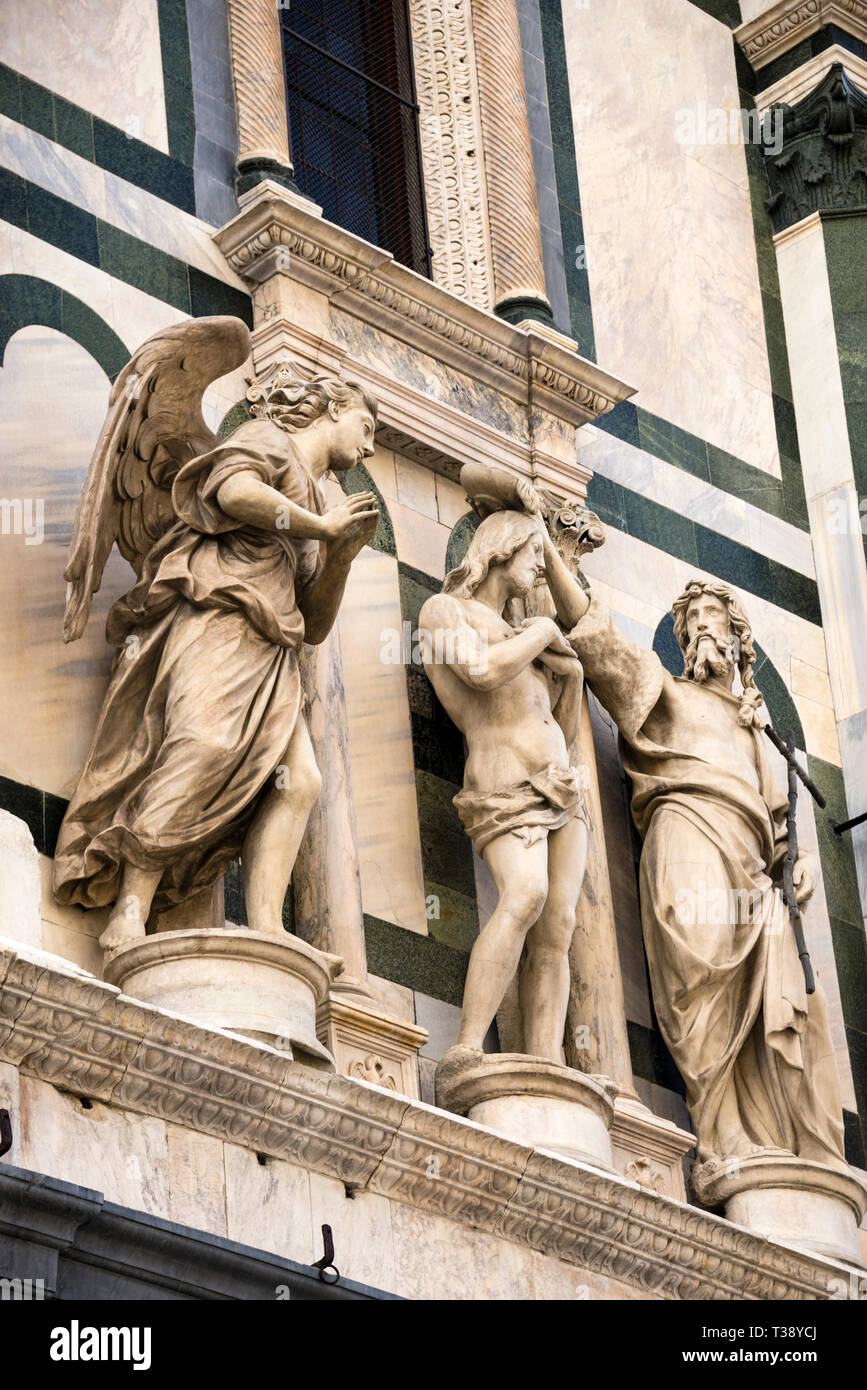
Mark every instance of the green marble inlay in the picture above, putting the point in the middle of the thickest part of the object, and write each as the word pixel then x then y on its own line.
pixel 105 145
pixel 846 256
pixel 850 955
pixel 673 444
pixel 458 921
pixel 459 540
pixel 415 961
pixel 358 479
pixel 25 300
pixel 445 847
pixel 838 862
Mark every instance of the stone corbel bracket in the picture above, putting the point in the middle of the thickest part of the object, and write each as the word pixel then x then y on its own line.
pixel 81 1035
pixel 786 24
pixel 368 283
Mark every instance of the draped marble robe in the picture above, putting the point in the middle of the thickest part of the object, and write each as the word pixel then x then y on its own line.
pixel 205 689
pixel 753 1048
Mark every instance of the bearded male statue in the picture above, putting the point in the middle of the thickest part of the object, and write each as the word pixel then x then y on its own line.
pixel 752 1047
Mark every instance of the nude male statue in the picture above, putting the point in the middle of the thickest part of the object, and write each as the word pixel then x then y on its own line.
pixel 515 692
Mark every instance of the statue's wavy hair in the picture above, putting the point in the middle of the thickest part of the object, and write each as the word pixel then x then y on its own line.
pixel 740 626
pixel 494 543
pixel 294 404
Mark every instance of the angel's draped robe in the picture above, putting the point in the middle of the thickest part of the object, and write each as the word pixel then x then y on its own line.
pixel 753 1048
pixel 205 690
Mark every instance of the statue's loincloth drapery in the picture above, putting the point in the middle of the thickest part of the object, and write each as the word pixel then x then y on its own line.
pixel 754 1051
pixel 205 691
pixel 530 809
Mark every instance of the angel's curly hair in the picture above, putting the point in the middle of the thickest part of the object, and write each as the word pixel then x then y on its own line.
pixel 495 542
pixel 740 626
pixel 293 404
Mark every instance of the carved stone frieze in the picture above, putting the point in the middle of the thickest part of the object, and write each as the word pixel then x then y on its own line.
pixel 367 283
pixel 84 1036
pixel 450 130
pixel 823 161
pixel 787 23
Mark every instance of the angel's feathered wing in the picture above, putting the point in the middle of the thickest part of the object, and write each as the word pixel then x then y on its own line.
pixel 154 425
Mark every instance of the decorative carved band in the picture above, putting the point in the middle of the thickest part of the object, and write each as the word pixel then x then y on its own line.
pixel 823 160
pixel 512 209
pixel 785 24
pixel 451 146
pixel 77 1033
pixel 257 73
pixel 390 297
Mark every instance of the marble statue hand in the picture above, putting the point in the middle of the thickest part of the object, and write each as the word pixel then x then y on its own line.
pixel 804 875
pixel 350 519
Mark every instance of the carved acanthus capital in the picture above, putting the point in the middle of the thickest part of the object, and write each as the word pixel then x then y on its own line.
pixel 823 160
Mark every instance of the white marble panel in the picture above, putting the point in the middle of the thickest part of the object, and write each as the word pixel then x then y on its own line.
pixel 416 486
pixel 133 315
pixel 842 582
pixel 197 1182
pixel 268 1204
pixel 380 466
pixel 810 681
pixel 361 1226
pixel 420 540
pixel 380 746
pixel 113 199
pixel 452 502
pixel 120 1154
pixel 670 247
pixel 442 1022
pixel 103 57
pixel 432 1258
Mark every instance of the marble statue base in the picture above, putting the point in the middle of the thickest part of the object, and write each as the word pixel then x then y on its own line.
pixel 788 1199
pixel 261 986
pixel 533 1101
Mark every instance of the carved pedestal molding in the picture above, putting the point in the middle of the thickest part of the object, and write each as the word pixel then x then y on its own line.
pixel 82 1035
pixel 516 245
pixel 784 25
pixel 260 93
pixel 790 1200
pixel 371 1045
pixel 262 986
pixel 649 1149
pixel 450 130
pixel 537 1103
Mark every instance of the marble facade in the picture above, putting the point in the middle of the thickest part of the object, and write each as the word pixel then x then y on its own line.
pixel 681 345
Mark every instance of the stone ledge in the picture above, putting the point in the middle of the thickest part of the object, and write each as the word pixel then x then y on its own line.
pixel 82 1035
pixel 785 24
pixel 528 366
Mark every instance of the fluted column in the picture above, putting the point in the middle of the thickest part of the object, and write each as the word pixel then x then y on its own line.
pixel 513 214
pixel 260 94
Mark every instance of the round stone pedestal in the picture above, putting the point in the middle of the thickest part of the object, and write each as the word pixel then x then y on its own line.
pixel 790 1200
pixel 535 1102
pixel 265 987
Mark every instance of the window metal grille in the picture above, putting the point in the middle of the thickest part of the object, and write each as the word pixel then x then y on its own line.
pixel 353 120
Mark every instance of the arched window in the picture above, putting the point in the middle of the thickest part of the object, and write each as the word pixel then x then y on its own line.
pixel 353 120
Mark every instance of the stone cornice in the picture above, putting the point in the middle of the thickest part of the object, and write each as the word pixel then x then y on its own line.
pixel 82 1035
pixel 785 24
pixel 368 283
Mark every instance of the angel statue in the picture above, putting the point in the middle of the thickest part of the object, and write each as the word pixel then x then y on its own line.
pixel 201 752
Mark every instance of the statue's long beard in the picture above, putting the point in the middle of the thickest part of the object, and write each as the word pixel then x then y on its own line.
pixel 708 656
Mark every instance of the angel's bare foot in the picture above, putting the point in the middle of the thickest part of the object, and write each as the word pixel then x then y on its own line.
pixel 127 923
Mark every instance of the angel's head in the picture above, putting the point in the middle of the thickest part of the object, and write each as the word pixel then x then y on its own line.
pixel 342 415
